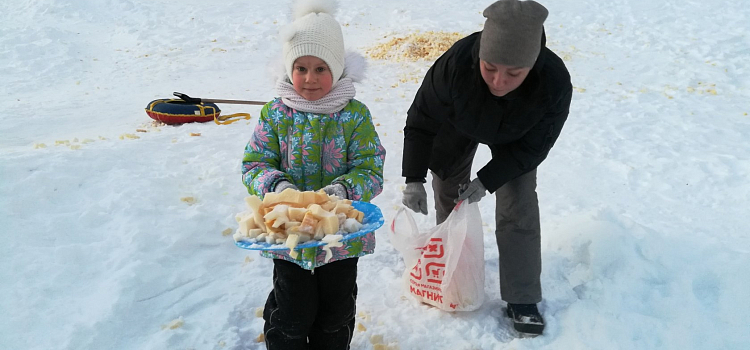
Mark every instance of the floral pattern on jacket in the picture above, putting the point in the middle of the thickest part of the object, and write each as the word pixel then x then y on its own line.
pixel 312 151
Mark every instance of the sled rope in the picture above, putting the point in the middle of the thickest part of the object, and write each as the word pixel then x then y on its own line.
pixel 229 119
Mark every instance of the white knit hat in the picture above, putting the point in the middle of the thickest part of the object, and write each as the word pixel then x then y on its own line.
pixel 314 32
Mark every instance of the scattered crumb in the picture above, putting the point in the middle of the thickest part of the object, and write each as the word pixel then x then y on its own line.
pixel 364 315
pixel 261 338
pixel 129 136
pixel 195 134
pixel 189 200
pixel 259 312
pixel 415 46
pixel 174 324
pixel 227 232
pixel 152 125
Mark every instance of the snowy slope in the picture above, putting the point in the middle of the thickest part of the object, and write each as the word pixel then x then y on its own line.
pixel 644 198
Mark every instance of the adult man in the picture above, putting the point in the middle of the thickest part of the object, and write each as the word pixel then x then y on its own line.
pixel 500 87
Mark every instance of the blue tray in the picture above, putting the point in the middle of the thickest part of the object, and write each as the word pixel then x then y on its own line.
pixel 372 221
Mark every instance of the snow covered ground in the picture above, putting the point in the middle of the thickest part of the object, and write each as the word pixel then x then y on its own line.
pixel 115 242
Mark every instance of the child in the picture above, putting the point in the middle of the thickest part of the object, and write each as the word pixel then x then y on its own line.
pixel 315 136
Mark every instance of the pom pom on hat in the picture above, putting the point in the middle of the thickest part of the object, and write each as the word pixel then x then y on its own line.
pixel 512 33
pixel 314 32
pixel 302 8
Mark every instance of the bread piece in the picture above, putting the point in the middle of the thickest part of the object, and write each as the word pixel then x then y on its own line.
pixel 304 237
pixel 328 206
pixel 360 216
pixel 355 214
pixel 319 234
pixel 330 224
pixel 342 207
pixel 352 213
pixel 296 214
pixel 271 238
pixel 289 196
pixel 271 227
pixel 253 233
pixel 254 203
pixel 309 222
pixel 342 217
pixel 291 224
pixel 281 235
pixel 247 223
pixel 278 215
pixel 328 220
pixel 291 242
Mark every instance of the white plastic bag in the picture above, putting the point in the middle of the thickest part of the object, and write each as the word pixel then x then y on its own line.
pixel 445 264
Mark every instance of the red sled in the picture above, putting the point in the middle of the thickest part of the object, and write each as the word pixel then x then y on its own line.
pixel 177 111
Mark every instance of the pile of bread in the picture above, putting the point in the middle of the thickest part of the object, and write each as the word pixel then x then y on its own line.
pixel 292 217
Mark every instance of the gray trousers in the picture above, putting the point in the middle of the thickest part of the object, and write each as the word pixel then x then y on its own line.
pixel 517 230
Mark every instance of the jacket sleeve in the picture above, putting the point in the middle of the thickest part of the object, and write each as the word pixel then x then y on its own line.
pixel 432 106
pixel 510 161
pixel 366 157
pixel 260 164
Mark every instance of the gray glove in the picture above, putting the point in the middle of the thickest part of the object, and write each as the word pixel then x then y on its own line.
pixel 473 191
pixel 415 197
pixel 337 190
pixel 283 184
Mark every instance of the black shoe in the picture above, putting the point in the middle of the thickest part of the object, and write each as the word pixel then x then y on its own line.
pixel 526 318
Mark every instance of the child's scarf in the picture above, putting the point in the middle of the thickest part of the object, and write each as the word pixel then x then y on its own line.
pixel 339 96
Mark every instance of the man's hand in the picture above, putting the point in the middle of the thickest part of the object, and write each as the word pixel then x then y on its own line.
pixel 473 191
pixel 337 190
pixel 415 197
pixel 283 184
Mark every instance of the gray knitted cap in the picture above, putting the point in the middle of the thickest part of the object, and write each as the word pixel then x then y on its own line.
pixel 512 33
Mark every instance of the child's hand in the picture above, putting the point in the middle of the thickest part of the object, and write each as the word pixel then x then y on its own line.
pixel 337 190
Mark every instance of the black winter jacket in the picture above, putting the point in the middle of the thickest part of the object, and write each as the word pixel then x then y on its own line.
pixel 454 110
